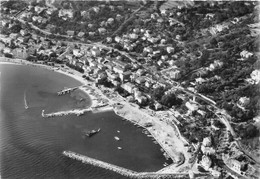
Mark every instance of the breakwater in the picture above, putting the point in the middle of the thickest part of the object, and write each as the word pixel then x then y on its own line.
pixel 121 170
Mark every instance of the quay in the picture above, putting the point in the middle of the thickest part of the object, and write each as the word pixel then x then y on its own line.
pixel 124 171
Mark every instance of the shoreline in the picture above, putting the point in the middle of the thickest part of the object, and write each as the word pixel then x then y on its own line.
pixel 159 131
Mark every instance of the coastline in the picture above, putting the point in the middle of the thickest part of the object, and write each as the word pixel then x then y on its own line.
pixel 160 131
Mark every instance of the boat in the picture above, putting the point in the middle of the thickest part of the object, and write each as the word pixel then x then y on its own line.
pixel 43 115
pixel 119 148
pixel 25 102
pixel 117 138
pixel 91 133
pixel 118 131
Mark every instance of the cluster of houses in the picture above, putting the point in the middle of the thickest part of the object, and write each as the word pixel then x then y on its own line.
pixel 41 15
pixel 24 44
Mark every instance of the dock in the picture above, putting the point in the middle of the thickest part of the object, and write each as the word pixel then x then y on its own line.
pixel 123 171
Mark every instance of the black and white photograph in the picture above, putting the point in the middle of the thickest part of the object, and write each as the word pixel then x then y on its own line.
pixel 129 89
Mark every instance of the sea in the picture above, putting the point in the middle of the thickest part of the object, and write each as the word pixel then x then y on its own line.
pixel 32 146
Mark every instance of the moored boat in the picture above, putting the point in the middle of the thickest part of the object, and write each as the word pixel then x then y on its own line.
pixel 117 138
pixel 91 133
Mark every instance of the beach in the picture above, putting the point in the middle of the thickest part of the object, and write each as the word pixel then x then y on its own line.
pixel 160 130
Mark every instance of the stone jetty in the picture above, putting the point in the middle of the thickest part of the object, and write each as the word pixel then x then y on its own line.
pixel 77 112
pixel 124 171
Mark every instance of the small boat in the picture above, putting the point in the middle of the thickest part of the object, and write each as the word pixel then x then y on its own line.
pixel 91 133
pixel 118 131
pixel 117 138
pixel 43 115
pixel 119 148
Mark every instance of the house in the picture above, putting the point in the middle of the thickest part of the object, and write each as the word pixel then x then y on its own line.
pixel 170 49
pixel 206 162
pixel 140 72
pixel 20 53
pixel 175 74
pixel 200 80
pixel 157 106
pixel 66 12
pixel 38 9
pixel 23 32
pixel 117 39
pixel 2 46
pixel 81 34
pixel 7 50
pixel 245 54
pixel 70 32
pixel 125 76
pixel 133 36
pixel 13 35
pixel 119 17
pixel 140 80
pixel 243 101
pixel 6 40
pixel 148 49
pixel 95 52
pixel 110 21
pixel 96 9
pixel 102 30
pixel 191 106
pixel 235 165
pixel 118 69
pixel 141 99
pixel 129 87
pixel 79 64
pixel 77 53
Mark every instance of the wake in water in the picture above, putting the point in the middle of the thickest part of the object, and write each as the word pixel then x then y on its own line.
pixel 25 102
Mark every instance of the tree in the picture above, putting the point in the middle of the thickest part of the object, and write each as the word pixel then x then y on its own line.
pixel 250 131
pixel 158 93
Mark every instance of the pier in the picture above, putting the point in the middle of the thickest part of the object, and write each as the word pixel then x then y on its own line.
pixel 123 171
pixel 77 112
pixel 68 90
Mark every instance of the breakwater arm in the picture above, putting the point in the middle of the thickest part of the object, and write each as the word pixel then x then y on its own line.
pixel 124 171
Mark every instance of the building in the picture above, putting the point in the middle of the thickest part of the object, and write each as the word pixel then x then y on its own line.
pixel 13 35
pixel 206 162
pixel 23 32
pixel 20 53
pixel 140 80
pixel 175 74
pixel 235 165
pixel 66 12
pixel 95 52
pixel 70 32
pixel 191 106
pixel 102 30
pixel 118 69
pixel 243 101
pixel 125 76
pixel 129 87
pixel 81 34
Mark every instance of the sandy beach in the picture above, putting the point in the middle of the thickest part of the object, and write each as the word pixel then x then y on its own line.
pixel 164 134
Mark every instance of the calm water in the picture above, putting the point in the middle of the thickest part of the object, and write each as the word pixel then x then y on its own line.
pixel 31 146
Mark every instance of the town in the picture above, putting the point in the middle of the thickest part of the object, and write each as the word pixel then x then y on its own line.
pixel 192 66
